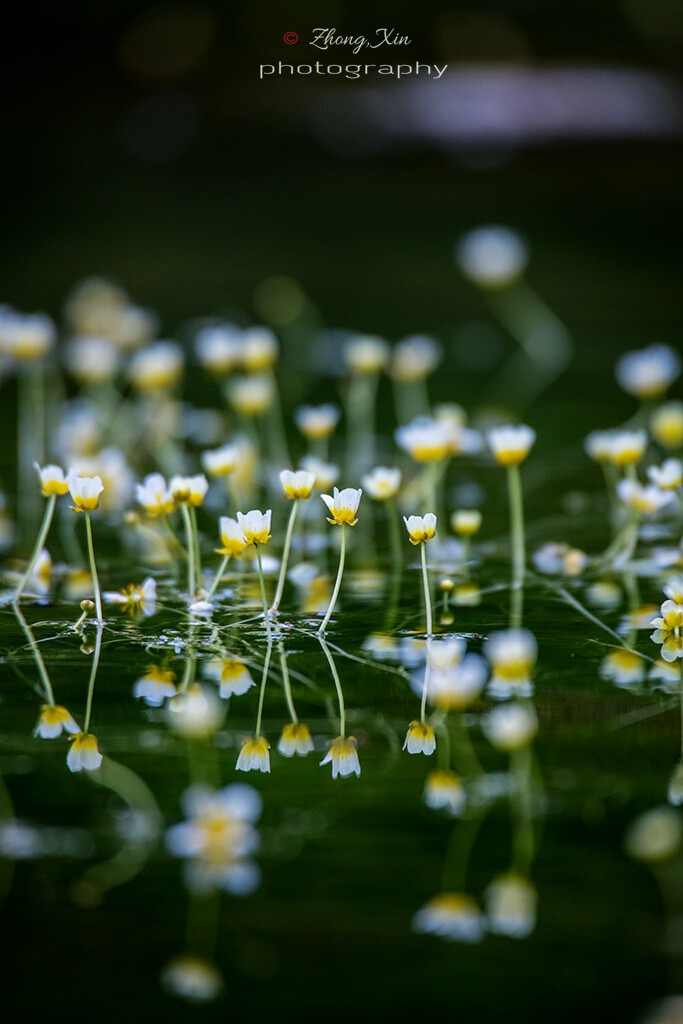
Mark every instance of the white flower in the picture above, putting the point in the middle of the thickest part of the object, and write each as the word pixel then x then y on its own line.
pixel 156 367
pixel 510 445
pixel 344 757
pixel 154 495
pixel 219 347
pixel 155 686
pixel 666 424
pixel 83 753
pixel 259 349
pixel 92 360
pixel 25 337
pixel 255 525
pixel 366 353
pixel 297 485
pixel 52 479
pixel 221 461
pixel 85 491
pixel 451 915
pixel 492 255
pixel 232 675
pixel 648 372
pixel 457 686
pixel 382 482
pixel 512 655
pixel 196 713
pixel 509 727
pixel 647 500
pixel 420 528
pixel 192 978
pixel 295 739
pixel 326 473
pixel 232 537
pixel 343 505
pixel 668 476
pixel 626 447
pixel 510 904
pixel 425 439
pixel 444 790
pixel 415 357
pixel 673 589
pixel 251 396
pixel 420 739
pixel 254 755
pixel 55 719
pixel 189 490
pixel 466 521
pixel 623 668
pixel 316 421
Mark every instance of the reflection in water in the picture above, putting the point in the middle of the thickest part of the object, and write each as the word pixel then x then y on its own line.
pixel 532 687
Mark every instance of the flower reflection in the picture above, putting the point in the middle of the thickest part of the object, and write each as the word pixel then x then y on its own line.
pixel 451 915
pixel 218 838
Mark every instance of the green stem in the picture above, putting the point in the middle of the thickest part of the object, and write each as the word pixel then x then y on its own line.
pixel 188 673
pixel 31 405
pixel 516 525
pixel 262 584
pixel 286 682
pixel 174 534
pixel 91 682
pixel 219 575
pixel 93 569
pixel 191 580
pixel 394 531
pixel 42 670
pixel 285 557
pixel 264 679
pixel 40 544
pixel 425 584
pixel 425 682
pixel 523 838
pixel 196 550
pixel 337 584
pixel 337 683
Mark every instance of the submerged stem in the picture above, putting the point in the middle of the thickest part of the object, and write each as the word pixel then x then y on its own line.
pixel 337 683
pixel 91 682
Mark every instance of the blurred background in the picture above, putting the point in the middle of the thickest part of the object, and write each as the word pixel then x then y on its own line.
pixel 141 145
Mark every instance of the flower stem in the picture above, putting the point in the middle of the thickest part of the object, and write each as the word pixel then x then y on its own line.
pixel 93 673
pixel 285 557
pixel 93 570
pixel 191 580
pixel 337 584
pixel 219 575
pixel 42 670
pixel 516 525
pixel 337 683
pixel 425 584
pixel 286 682
pixel 40 544
pixel 264 679
pixel 196 550
pixel 262 584
pixel 425 681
